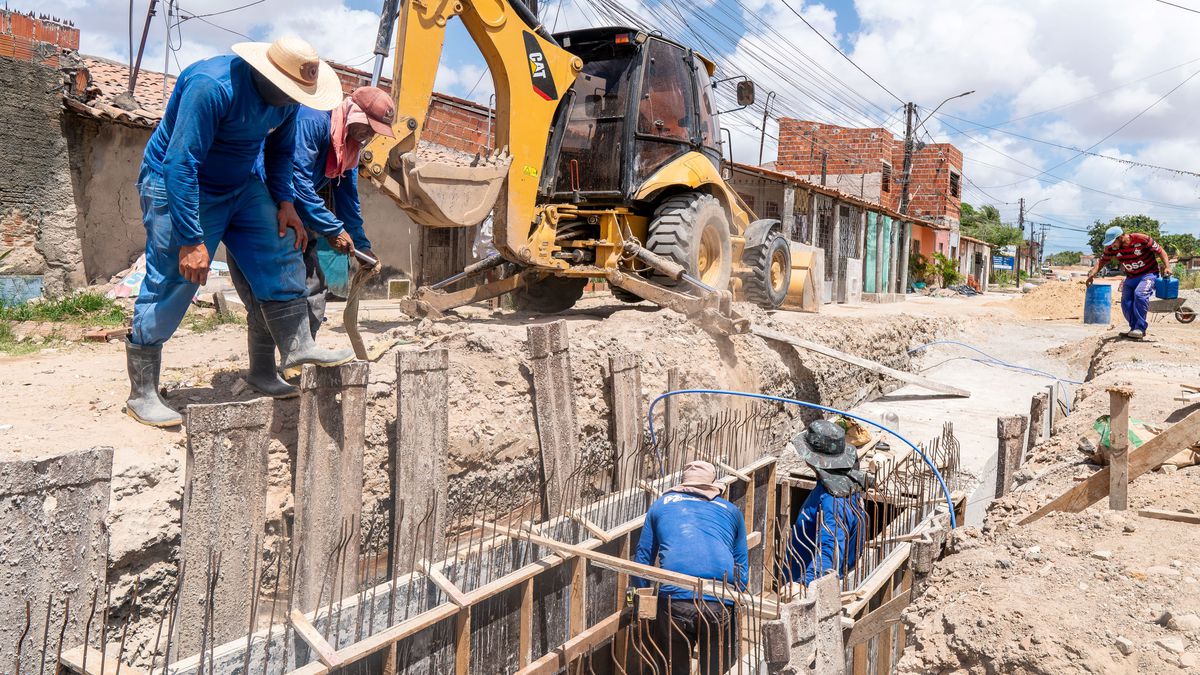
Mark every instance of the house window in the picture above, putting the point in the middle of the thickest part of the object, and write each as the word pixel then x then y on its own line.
pixel 955 186
pixel 885 183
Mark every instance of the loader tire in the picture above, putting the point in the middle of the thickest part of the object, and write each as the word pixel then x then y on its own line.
pixel 770 266
pixel 692 230
pixel 549 295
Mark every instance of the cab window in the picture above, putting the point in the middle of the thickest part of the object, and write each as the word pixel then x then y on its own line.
pixel 665 109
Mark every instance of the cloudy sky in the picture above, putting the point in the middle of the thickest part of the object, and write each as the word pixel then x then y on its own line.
pixel 1051 77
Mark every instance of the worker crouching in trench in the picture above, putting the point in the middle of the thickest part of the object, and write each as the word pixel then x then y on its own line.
pixel 691 529
pixel 829 532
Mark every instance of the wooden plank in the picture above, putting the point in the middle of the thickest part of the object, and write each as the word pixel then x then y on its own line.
pixel 626 405
pixel 581 644
pixel 462 642
pixel 1157 450
pixel 326 654
pixel 71 661
pixel 1176 516
pixel 435 575
pixel 525 627
pixel 1118 448
pixel 910 378
pixel 734 472
pixel 384 638
pixel 577 611
pixel 768 608
pixel 877 620
pixel 595 530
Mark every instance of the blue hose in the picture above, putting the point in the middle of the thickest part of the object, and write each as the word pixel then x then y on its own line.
pixel 806 404
pixel 991 360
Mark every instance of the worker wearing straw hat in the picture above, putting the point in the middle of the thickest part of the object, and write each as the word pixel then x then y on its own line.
pixel 691 529
pixel 827 535
pixel 199 188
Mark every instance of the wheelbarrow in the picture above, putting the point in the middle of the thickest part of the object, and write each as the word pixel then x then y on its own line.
pixel 1177 306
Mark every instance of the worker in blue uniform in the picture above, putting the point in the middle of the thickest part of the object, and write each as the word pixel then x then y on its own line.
pixel 198 189
pixel 328 144
pixel 691 529
pixel 829 532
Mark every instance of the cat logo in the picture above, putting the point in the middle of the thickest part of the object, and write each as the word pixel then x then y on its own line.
pixel 539 72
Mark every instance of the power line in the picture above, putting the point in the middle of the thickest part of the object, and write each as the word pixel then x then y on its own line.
pixel 839 51
pixel 1187 9
pixel 190 15
pixel 231 9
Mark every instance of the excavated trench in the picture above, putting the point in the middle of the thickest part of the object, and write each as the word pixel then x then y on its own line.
pixel 493 439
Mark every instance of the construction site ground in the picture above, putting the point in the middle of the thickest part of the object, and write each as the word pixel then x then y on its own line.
pixel 1053 597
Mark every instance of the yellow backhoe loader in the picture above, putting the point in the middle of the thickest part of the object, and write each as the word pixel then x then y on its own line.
pixel 608 167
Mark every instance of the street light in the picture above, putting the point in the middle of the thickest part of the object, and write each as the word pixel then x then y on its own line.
pixel 939 107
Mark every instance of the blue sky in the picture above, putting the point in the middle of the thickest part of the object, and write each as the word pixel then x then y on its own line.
pixel 1108 76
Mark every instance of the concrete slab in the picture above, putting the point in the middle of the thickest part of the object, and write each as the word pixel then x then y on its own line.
pixel 224 497
pixel 554 408
pixel 53 542
pixel 625 388
pixel 329 480
pixel 420 484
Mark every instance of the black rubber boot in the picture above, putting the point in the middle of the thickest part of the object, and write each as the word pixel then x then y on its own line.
pixel 145 404
pixel 262 375
pixel 289 325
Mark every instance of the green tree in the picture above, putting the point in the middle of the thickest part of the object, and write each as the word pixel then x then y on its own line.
pixel 984 223
pixel 1180 244
pixel 1064 258
pixel 1138 223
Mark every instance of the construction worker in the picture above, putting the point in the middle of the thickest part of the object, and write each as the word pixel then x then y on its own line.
pixel 691 529
pixel 198 189
pixel 828 534
pixel 1143 260
pixel 327 148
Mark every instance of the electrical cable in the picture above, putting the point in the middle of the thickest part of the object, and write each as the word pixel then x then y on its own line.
pixel 806 404
pixel 994 361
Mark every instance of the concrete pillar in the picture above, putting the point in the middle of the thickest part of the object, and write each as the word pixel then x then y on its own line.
pixel 626 406
pixel 1010 432
pixel 860 236
pixel 52 516
pixel 905 252
pixel 420 484
pixel 329 480
pixel 831 657
pixel 879 258
pixel 224 514
pixel 671 404
pixel 1037 419
pixel 894 259
pixel 554 409
pixel 834 256
pixel 789 211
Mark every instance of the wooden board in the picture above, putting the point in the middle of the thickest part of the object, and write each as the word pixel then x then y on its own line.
pixel 1142 459
pixel 1176 516
pixel 910 378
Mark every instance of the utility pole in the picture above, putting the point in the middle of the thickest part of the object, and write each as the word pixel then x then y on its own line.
pixel 1017 258
pixel 910 111
pixel 125 100
pixel 824 165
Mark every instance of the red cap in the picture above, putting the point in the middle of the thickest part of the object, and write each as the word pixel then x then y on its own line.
pixel 378 106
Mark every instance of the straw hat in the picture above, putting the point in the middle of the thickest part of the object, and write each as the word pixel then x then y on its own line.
pixel 293 65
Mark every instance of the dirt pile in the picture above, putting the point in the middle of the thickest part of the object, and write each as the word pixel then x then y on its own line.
pixel 1056 300
pixel 1098 591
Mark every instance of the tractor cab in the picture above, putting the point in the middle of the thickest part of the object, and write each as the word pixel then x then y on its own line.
pixel 640 102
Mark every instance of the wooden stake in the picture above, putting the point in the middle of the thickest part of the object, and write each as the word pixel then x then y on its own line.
pixel 1176 516
pixel 326 654
pixel 1118 448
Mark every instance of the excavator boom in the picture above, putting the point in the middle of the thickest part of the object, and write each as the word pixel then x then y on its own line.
pixel 441 188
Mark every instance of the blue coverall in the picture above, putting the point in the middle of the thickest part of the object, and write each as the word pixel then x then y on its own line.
pixel 825 537
pixel 690 534
pixel 197 185
pixel 312 150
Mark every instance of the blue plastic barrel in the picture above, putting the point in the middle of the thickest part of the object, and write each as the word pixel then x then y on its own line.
pixel 1166 288
pixel 1097 305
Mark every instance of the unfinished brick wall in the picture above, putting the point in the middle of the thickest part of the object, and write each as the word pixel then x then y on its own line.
pixel 856 161
pixel 37 204
pixel 27 38
pixel 935 169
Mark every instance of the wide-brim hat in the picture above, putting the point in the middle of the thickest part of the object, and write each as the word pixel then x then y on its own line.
pixel 293 65
pixel 823 446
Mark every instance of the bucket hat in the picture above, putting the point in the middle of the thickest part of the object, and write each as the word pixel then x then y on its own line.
pixel 823 446
pixel 292 64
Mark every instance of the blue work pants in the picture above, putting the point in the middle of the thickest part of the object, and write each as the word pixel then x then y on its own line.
pixel 1135 299
pixel 245 220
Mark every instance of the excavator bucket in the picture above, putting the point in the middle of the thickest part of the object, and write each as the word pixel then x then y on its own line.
pixel 446 189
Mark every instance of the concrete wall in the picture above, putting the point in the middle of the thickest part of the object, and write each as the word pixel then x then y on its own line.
pixel 105 159
pixel 37 207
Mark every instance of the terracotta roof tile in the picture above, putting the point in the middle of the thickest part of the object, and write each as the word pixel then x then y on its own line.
pixel 107 79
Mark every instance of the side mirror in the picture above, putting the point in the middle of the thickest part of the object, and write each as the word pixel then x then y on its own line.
pixel 745 93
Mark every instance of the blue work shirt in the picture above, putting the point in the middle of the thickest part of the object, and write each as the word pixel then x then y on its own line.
pixel 825 537
pixel 312 150
pixel 210 137
pixel 689 534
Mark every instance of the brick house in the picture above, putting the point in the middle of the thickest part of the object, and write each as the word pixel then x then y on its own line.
pixel 69 160
pixel 869 164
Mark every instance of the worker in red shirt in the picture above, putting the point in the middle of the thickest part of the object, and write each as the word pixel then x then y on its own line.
pixel 1143 260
